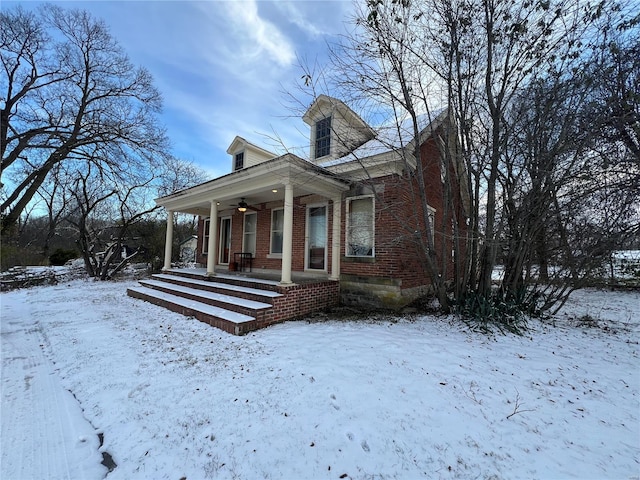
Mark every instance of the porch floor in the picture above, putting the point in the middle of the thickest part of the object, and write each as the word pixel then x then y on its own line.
pixel 269 277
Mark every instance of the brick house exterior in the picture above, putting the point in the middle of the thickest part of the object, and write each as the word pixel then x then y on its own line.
pixel 350 213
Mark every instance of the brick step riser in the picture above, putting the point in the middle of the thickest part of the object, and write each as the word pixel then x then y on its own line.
pixel 247 283
pixel 263 314
pixel 222 324
pixel 222 291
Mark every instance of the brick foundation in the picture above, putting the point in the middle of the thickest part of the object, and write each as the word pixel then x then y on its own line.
pixel 300 300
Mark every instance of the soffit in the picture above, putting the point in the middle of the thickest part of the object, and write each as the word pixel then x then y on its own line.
pixel 255 185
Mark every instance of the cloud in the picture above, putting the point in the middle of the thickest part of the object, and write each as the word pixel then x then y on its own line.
pixel 251 37
pixel 299 17
pixel 315 19
pixel 221 66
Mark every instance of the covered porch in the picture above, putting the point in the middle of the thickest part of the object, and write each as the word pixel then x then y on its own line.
pixel 288 185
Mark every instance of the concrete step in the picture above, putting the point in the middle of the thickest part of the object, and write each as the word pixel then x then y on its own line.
pixel 227 301
pixel 238 280
pixel 227 320
pixel 241 291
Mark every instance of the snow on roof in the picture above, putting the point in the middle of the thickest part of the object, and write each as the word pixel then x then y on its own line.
pixel 394 136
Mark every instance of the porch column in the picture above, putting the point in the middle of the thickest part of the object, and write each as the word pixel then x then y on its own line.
pixel 168 241
pixel 287 235
pixel 335 238
pixel 212 245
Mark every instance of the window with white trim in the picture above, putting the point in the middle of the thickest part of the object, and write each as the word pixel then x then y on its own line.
pixel 249 235
pixel 238 163
pixel 432 225
pixel 360 227
pixel 277 230
pixel 323 137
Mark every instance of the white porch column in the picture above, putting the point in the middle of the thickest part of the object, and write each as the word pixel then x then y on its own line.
pixel 168 241
pixel 287 235
pixel 335 238
pixel 212 245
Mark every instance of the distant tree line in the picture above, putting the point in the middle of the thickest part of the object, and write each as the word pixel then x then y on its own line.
pixel 543 99
pixel 82 152
pixel 33 244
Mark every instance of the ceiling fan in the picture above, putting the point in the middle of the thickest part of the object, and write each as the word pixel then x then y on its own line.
pixel 242 205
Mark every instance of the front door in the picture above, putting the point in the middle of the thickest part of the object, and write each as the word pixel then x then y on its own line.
pixel 316 257
pixel 225 240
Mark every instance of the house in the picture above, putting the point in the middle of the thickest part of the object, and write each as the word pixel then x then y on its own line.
pixel 188 248
pixel 343 226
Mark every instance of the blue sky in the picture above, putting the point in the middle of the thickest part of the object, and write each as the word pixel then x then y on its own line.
pixel 222 66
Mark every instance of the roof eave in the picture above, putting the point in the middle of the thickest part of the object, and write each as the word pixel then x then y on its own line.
pixel 277 172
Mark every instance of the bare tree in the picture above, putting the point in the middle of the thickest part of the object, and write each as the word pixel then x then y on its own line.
pixel 613 72
pixel 56 195
pixel 67 89
pixel 110 198
pixel 515 143
pixel 570 181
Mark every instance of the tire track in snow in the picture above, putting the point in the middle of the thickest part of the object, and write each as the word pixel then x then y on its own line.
pixel 38 413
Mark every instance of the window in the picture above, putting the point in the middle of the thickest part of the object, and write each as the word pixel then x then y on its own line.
pixel 316 237
pixel 323 137
pixel 225 240
pixel 360 227
pixel 249 237
pixel 205 237
pixel 277 228
pixel 239 161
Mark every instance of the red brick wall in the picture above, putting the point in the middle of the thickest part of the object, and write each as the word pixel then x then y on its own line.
pixel 398 215
pixel 396 219
pixel 444 237
pixel 263 236
pixel 300 300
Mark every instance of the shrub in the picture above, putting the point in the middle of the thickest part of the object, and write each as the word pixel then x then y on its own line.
pixel 506 314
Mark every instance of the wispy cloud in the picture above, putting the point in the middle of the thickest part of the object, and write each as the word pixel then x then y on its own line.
pixel 302 16
pixel 315 18
pixel 250 37
pixel 222 65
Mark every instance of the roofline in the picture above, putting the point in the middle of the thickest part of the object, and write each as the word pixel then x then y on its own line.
pixel 338 104
pixel 281 166
pixel 238 139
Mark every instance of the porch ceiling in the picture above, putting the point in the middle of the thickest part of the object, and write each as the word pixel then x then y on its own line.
pixel 256 185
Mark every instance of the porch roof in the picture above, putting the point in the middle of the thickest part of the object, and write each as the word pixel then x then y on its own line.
pixel 257 184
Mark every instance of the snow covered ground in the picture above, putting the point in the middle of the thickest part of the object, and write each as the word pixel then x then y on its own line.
pixel 416 398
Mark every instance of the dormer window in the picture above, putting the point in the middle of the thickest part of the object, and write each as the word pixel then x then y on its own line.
pixel 245 154
pixel 328 117
pixel 238 163
pixel 323 137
